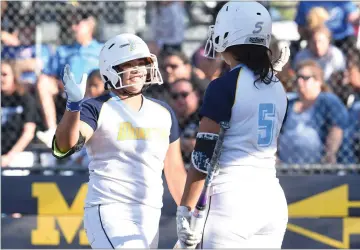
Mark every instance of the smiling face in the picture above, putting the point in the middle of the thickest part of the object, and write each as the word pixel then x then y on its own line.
pixel 134 73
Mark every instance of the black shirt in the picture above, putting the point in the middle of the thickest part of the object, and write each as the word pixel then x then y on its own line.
pixel 16 111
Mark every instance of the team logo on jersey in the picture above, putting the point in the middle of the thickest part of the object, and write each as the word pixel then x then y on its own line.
pixel 128 132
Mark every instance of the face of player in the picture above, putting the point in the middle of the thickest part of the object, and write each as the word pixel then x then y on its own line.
pixel 94 87
pixel 133 73
pixel 308 85
pixel 184 99
pixel 7 78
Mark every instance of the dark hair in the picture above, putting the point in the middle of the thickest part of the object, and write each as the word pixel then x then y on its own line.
pixel 172 52
pixel 94 73
pixel 255 57
pixel 353 59
pixel 194 88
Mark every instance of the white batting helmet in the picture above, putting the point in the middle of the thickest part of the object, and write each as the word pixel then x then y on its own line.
pixel 239 23
pixel 121 49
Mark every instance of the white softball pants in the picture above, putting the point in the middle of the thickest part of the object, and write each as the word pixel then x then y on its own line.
pixel 122 226
pixel 251 213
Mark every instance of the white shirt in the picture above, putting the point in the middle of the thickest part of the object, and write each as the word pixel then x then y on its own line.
pixel 127 150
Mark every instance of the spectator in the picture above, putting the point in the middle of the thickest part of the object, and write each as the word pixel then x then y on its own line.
pixel 185 102
pixel 350 149
pixel 28 62
pixel 82 57
pixel 168 24
pixel 342 16
pixel 94 85
pixel 317 17
pixel 330 58
pixel 313 130
pixel 10 16
pixel 211 68
pixel 176 65
pixel 18 120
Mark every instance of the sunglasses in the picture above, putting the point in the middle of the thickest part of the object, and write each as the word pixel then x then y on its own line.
pixel 175 96
pixel 305 78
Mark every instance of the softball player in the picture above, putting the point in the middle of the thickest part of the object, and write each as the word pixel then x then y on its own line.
pixel 247 206
pixel 130 139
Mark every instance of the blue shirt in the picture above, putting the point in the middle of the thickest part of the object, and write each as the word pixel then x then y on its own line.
pixel 27 52
pixel 338 11
pixel 348 151
pixel 82 59
pixel 304 134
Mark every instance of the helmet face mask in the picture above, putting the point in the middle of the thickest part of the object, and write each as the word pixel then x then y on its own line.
pixel 124 55
pixel 136 73
pixel 239 23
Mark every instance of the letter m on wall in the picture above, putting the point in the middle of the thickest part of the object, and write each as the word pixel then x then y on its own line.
pixel 54 210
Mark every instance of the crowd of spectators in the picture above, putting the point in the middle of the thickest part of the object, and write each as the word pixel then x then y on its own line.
pixel 322 78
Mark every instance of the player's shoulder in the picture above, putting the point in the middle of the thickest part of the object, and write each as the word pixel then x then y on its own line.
pixel 98 102
pixel 226 82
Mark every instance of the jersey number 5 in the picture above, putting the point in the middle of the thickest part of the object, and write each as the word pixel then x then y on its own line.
pixel 266 124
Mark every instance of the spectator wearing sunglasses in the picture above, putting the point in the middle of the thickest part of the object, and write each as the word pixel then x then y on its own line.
pixel 316 119
pixel 176 65
pixel 185 102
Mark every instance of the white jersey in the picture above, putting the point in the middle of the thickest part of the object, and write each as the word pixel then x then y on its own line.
pixel 255 112
pixel 127 150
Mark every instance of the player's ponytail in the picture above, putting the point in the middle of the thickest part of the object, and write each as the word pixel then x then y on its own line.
pixel 255 57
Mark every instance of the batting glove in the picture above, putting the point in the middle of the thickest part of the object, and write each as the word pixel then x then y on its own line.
pixel 187 238
pixel 282 60
pixel 75 92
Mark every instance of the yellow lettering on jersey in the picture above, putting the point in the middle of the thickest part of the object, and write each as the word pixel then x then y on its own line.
pixel 128 132
pixel 52 208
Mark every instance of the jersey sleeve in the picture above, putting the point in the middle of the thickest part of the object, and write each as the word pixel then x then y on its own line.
pixel 174 129
pixel 219 99
pixel 90 110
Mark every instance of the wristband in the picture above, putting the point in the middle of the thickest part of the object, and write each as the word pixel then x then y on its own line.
pixel 73 106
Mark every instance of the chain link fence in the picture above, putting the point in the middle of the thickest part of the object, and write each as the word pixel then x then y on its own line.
pixel 39 37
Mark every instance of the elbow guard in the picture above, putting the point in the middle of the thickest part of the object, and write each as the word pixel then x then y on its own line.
pixel 203 151
pixel 60 155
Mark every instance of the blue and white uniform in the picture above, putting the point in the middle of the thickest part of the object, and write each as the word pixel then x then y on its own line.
pixel 247 204
pixel 127 151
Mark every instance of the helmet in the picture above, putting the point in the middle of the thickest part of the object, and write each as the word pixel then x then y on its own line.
pixel 239 23
pixel 121 49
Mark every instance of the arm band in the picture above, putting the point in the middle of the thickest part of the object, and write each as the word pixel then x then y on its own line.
pixel 59 155
pixel 203 151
